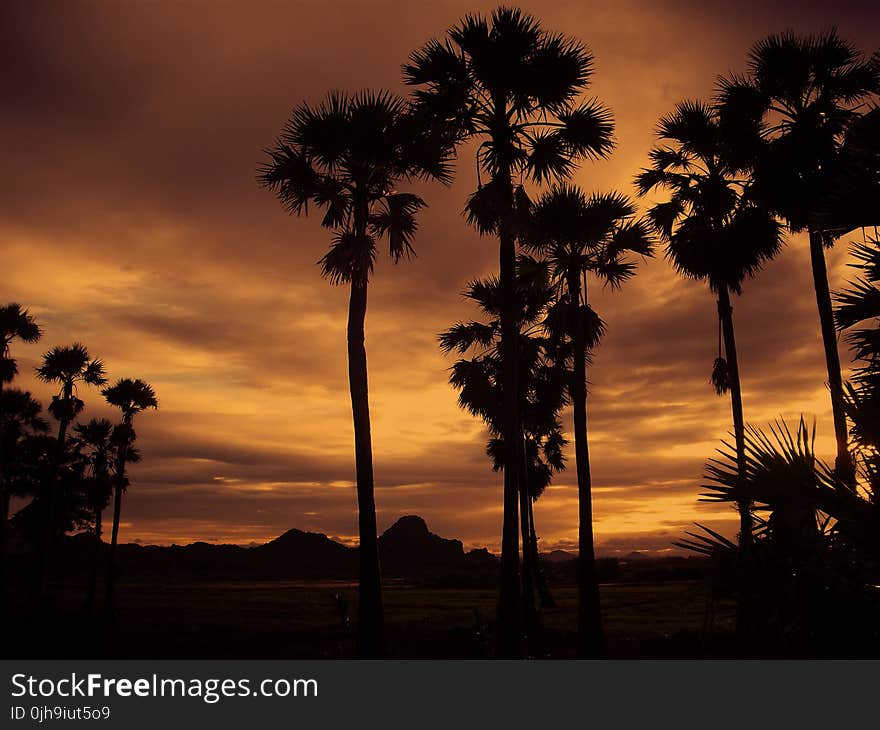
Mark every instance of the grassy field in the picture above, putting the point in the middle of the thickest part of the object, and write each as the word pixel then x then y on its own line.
pixel 272 619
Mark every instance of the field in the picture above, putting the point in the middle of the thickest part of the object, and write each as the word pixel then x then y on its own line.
pixel 289 620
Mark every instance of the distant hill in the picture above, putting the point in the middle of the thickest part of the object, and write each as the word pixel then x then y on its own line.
pixel 408 550
pixel 558 556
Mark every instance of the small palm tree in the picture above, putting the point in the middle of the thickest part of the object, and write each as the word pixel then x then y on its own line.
pixel 68 367
pixel 96 446
pixel 583 237
pixel 797 102
pixel 347 156
pixel 130 397
pixel 478 379
pixel 15 323
pixel 513 89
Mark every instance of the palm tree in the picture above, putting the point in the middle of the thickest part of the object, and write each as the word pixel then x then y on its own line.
pixel 69 367
pixel 96 444
pixel 347 155
pixel 513 88
pixel 714 232
pixel 130 397
pixel 478 379
pixel 20 420
pixel 15 323
pixel 581 236
pixel 801 95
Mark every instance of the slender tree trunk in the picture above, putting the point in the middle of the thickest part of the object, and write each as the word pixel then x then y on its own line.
pixel 509 635
pixel 96 558
pixel 121 459
pixel 843 463
pixel 590 639
pixel 528 567
pixel 540 579
pixel 371 626
pixel 745 599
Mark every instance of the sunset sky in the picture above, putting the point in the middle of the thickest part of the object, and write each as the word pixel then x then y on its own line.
pixel 130 220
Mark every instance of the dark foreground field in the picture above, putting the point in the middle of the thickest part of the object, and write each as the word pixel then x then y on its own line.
pixel 296 619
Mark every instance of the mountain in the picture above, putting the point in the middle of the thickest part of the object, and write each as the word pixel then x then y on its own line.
pixel 408 550
pixel 558 556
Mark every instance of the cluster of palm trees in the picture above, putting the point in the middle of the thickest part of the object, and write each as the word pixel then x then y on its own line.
pixel 790 145
pixel 71 476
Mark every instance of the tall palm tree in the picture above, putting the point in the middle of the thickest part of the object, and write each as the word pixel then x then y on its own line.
pixel 130 397
pixel 347 155
pixel 580 237
pixel 69 367
pixel 799 98
pixel 478 378
pixel 513 88
pixel 97 447
pixel 714 232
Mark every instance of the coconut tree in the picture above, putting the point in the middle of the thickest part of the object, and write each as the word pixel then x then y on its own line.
pixel 478 378
pixel 799 98
pixel 583 237
pixel 130 397
pixel 96 446
pixel 714 232
pixel 347 155
pixel 68 367
pixel 513 90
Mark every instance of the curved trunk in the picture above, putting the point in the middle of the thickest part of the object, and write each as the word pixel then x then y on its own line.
pixel 370 627
pixel 528 566
pixel 110 595
pixel 843 463
pixel 744 604
pixel 590 638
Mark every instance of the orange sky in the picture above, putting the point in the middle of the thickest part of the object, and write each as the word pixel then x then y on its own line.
pixel 130 220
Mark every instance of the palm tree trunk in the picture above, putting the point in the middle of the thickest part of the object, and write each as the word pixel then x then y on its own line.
pixel 528 567
pixel 4 547
pixel 370 629
pixel 744 603
pixel 540 579
pixel 844 463
pixel 110 588
pixel 96 557
pixel 590 638
pixel 509 634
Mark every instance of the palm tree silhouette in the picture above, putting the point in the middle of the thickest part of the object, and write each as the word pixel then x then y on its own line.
pixel 479 380
pixel 346 156
pixel 799 98
pixel 714 232
pixel 130 397
pixel 581 236
pixel 15 323
pixel 67 366
pixel 512 87
pixel 97 446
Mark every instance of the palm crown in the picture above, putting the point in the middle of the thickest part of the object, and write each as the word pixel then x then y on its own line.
pixel 131 397
pixel 513 87
pixel 792 112
pixel 712 227
pixel 15 322
pixel 69 366
pixel 346 156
